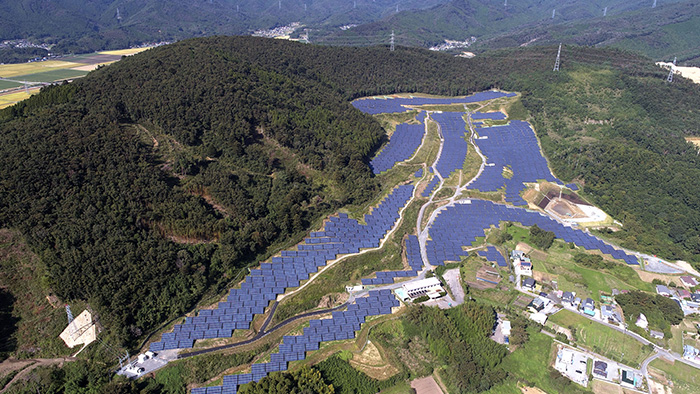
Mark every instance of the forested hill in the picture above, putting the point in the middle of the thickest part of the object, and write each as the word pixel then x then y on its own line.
pixel 84 26
pixel 668 30
pixel 153 180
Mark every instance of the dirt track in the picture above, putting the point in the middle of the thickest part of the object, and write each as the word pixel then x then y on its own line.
pixel 26 366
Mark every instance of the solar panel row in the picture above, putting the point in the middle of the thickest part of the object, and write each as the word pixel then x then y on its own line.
pixel 461 224
pixel 341 326
pixel 454 147
pixel 375 106
pixel 515 147
pixel 489 115
pixel 492 254
pixel 341 235
pixel 431 186
pixel 402 145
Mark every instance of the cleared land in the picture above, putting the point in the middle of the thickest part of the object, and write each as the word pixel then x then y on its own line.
pixel 685 379
pixel 602 339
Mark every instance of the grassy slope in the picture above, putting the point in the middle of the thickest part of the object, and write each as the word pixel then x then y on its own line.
pixel 601 339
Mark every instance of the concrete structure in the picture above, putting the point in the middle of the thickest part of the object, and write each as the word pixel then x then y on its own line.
pixel 630 379
pixel 81 331
pixel 539 317
pixel 656 334
pixel 642 321
pixel 429 287
pixel 572 364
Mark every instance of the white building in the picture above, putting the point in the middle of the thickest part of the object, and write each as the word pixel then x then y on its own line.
pixel 430 287
pixel 573 365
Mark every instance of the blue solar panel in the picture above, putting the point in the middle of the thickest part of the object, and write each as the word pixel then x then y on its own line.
pixel 402 145
pixel 461 224
pixel 341 235
pixel 492 254
pixel 454 149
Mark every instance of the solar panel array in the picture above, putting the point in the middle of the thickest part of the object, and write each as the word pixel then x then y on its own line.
pixel 419 173
pixel 412 248
pixel 514 146
pixel 341 326
pixel 431 186
pixel 489 115
pixel 492 254
pixel 375 106
pixel 572 186
pixel 461 224
pixel 341 235
pixel 454 148
pixel 402 145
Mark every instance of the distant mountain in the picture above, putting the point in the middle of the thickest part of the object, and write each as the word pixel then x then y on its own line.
pixel 673 27
pixel 79 26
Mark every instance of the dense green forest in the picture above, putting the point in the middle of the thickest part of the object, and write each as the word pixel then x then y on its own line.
pixel 660 311
pixel 457 340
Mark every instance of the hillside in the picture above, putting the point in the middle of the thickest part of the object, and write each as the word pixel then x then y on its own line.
pixel 77 26
pixel 662 32
pixel 154 181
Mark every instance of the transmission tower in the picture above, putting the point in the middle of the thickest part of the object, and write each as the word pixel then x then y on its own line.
pixel 397 7
pixel 605 11
pixel 670 73
pixel 505 4
pixel 556 63
pixel 391 48
pixel 119 16
pixel 279 4
pixel 554 12
pixel 354 4
pixel 70 314
pixel 654 5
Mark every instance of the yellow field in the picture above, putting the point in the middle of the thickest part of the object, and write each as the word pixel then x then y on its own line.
pixel 7 100
pixel 90 67
pixel 13 70
pixel 127 52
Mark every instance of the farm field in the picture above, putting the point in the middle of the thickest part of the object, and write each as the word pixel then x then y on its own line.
pixel 14 70
pixel 7 100
pixel 53 75
pixel 602 339
pixel 9 85
pixel 125 52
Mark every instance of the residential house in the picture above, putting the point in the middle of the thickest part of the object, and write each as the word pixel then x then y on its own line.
pixel 588 306
pixel 600 368
pixel 663 290
pixel 689 281
pixel 528 284
pixel 683 293
pixel 656 334
pixel 521 263
pixel 568 298
pixel 609 313
pixel 695 297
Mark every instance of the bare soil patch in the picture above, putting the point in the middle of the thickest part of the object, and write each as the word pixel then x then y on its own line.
pixel 426 385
